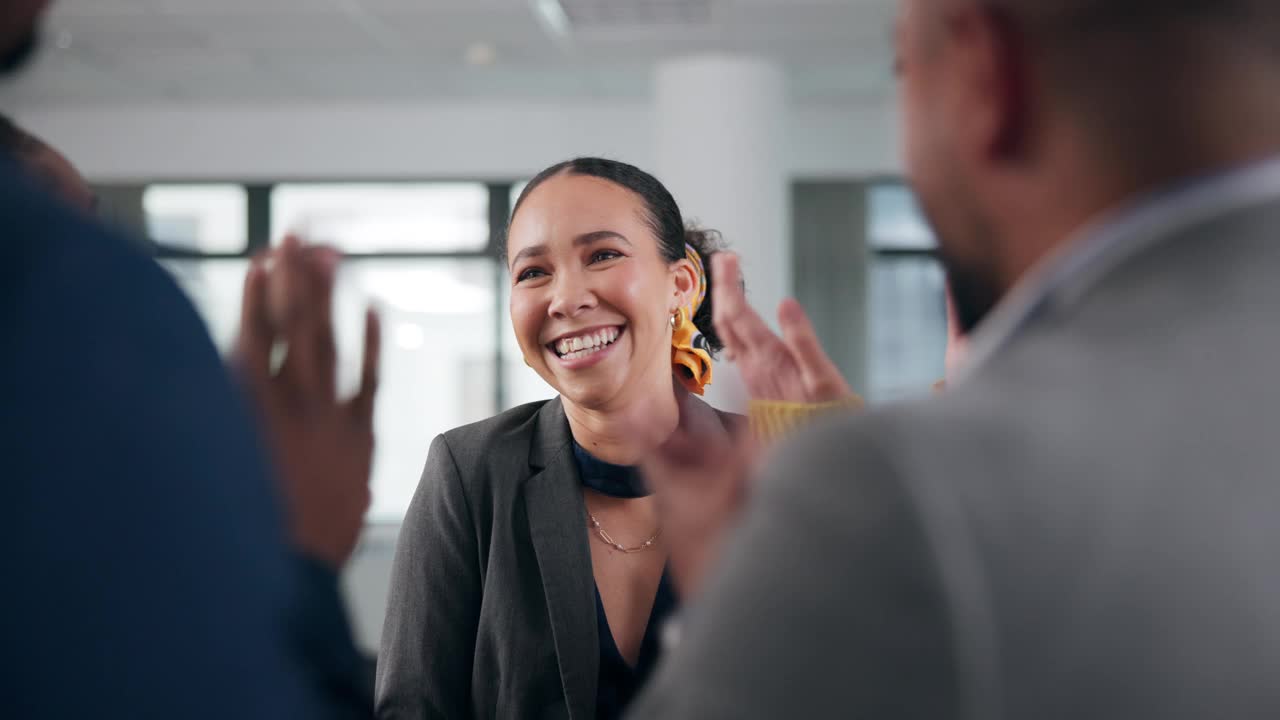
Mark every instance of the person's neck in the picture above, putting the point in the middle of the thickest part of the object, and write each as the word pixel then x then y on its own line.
pixel 610 434
pixel 1088 192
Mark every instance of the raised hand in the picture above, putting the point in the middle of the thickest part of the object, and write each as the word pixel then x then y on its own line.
pixel 699 476
pixel 793 368
pixel 322 445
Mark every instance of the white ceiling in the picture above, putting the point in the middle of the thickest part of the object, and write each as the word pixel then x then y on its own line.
pixel 112 51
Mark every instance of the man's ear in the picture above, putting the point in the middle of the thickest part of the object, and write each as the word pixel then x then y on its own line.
pixel 991 67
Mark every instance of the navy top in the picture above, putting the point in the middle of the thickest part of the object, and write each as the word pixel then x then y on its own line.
pixel 619 682
pixel 147 568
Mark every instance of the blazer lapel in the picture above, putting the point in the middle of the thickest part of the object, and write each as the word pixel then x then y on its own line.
pixel 556 514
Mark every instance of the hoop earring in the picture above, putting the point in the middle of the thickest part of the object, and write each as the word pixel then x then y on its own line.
pixel 678 319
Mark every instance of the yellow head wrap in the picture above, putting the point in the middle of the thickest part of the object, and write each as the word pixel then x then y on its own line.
pixel 690 353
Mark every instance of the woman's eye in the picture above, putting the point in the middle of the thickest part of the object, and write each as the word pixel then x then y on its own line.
pixel 529 274
pixel 603 255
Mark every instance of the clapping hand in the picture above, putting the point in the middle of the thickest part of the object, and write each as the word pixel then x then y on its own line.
pixel 791 368
pixel 322 445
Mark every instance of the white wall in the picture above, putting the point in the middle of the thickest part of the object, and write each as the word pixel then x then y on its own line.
pixel 496 141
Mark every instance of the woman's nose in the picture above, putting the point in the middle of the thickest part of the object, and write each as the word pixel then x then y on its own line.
pixel 572 296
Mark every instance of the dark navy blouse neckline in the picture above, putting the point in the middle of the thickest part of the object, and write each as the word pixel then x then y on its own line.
pixel 618 682
pixel 620 481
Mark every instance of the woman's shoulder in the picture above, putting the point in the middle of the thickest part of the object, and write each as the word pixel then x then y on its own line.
pixel 472 477
pixel 502 445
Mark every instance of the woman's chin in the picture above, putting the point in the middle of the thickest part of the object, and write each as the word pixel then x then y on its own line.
pixel 594 397
pixel 597 393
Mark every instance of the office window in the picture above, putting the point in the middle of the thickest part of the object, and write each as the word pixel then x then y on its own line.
pixel 908 328
pixel 894 220
pixel 438 354
pixel 418 252
pixel 385 218
pixel 516 190
pixel 214 286
pixel 196 218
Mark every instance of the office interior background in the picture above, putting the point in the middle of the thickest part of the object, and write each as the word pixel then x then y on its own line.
pixel 402 130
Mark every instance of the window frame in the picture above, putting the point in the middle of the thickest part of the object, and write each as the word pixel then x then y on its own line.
pixel 877 253
pixel 258 239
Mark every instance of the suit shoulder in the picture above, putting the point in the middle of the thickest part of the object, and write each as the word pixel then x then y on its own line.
pixel 893 448
pixel 493 449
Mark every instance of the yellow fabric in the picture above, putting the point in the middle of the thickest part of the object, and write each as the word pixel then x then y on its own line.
pixel 692 364
pixel 690 358
pixel 772 420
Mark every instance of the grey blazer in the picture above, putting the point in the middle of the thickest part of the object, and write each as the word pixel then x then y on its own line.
pixel 492 608
pixel 1087 528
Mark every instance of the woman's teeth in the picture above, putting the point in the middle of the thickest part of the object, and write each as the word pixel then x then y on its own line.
pixel 584 345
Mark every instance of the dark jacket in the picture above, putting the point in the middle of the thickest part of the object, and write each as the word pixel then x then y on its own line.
pixel 492 609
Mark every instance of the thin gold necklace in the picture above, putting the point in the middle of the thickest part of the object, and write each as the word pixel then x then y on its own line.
pixel 607 540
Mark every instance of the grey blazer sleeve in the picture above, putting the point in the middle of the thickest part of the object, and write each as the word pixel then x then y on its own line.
pixel 826 604
pixel 434 603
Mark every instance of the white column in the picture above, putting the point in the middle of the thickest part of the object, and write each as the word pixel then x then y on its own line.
pixel 720 140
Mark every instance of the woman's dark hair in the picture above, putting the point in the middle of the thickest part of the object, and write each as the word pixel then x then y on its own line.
pixel 662 214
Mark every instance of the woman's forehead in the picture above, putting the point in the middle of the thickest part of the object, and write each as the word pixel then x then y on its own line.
pixel 567 206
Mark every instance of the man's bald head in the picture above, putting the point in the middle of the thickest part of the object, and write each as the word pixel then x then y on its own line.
pixel 1090 46
pixel 1023 119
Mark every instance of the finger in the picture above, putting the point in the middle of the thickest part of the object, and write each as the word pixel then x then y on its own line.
pixel 818 373
pixel 753 336
pixel 280 290
pixel 954 330
pixel 362 404
pixel 255 340
pixel 726 298
pixel 307 278
pixel 321 269
pixel 735 318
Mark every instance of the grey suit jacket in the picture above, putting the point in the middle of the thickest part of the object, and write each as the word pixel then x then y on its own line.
pixel 1087 528
pixel 492 608
pixel 492 605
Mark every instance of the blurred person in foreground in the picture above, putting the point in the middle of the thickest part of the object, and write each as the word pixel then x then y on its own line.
pixel 1084 524
pixel 152 571
pixel 46 165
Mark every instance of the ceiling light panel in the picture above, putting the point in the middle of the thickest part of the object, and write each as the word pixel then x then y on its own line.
pixel 624 13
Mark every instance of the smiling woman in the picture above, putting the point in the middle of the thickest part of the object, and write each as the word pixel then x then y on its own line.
pixel 531 578
pixel 600 247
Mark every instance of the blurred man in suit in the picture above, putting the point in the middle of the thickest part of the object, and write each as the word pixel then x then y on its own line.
pixel 151 570
pixel 1084 525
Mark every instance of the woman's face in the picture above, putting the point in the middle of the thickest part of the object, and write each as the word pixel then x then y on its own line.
pixel 592 296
